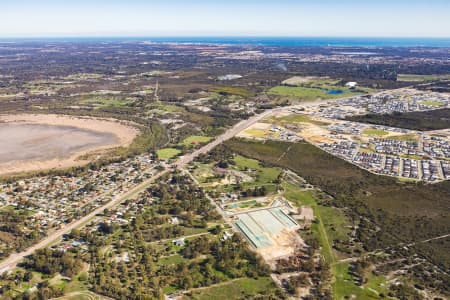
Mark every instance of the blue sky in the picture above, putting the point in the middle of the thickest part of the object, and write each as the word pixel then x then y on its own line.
pixel 413 18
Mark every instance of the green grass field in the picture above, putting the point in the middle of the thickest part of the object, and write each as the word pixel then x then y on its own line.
pixel 171 260
pixel 244 162
pixel 202 172
pixel 167 153
pixel 303 93
pixel 196 139
pixel 243 288
pixel 375 132
pixel 410 137
pixel 265 174
pixel 420 78
pixel 314 93
pixel 377 283
pixel 299 197
pixel 344 286
pixel 256 133
pixel 335 223
pixel 432 103
pixel 297 118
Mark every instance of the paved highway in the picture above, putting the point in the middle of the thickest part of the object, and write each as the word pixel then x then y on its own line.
pixel 15 258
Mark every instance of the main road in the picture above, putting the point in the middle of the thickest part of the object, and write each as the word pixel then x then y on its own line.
pixel 12 261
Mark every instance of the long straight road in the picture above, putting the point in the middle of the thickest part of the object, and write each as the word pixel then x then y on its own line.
pixel 15 258
pixel 230 133
pixel 12 261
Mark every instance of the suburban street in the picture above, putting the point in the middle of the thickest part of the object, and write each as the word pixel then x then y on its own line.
pixel 224 150
pixel 12 261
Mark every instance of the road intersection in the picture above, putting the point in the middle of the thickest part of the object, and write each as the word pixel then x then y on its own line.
pixel 15 258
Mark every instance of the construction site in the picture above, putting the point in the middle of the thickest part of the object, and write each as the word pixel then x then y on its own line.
pixel 269 229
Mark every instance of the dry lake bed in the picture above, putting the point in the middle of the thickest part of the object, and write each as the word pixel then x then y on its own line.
pixel 36 142
pixel 42 142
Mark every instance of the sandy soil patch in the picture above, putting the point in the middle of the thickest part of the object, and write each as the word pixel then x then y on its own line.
pixel 260 126
pixel 307 213
pixel 298 80
pixel 82 129
pixel 285 245
pixel 279 114
pixel 442 133
pixel 317 139
pixel 316 134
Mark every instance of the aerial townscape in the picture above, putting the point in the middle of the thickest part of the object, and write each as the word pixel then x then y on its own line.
pixel 228 167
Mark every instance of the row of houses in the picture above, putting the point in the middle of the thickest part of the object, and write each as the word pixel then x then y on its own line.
pixel 384 164
pixel 384 103
pixel 56 200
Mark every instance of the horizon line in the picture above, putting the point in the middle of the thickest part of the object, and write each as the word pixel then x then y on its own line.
pixel 219 36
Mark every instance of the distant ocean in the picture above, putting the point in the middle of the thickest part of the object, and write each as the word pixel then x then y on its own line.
pixel 311 41
pixel 269 41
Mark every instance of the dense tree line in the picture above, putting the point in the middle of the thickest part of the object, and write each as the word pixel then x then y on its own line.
pixel 386 212
pixel 12 236
pixel 50 262
pixel 423 120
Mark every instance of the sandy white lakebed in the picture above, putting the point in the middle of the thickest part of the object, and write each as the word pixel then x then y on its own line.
pixel 32 142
